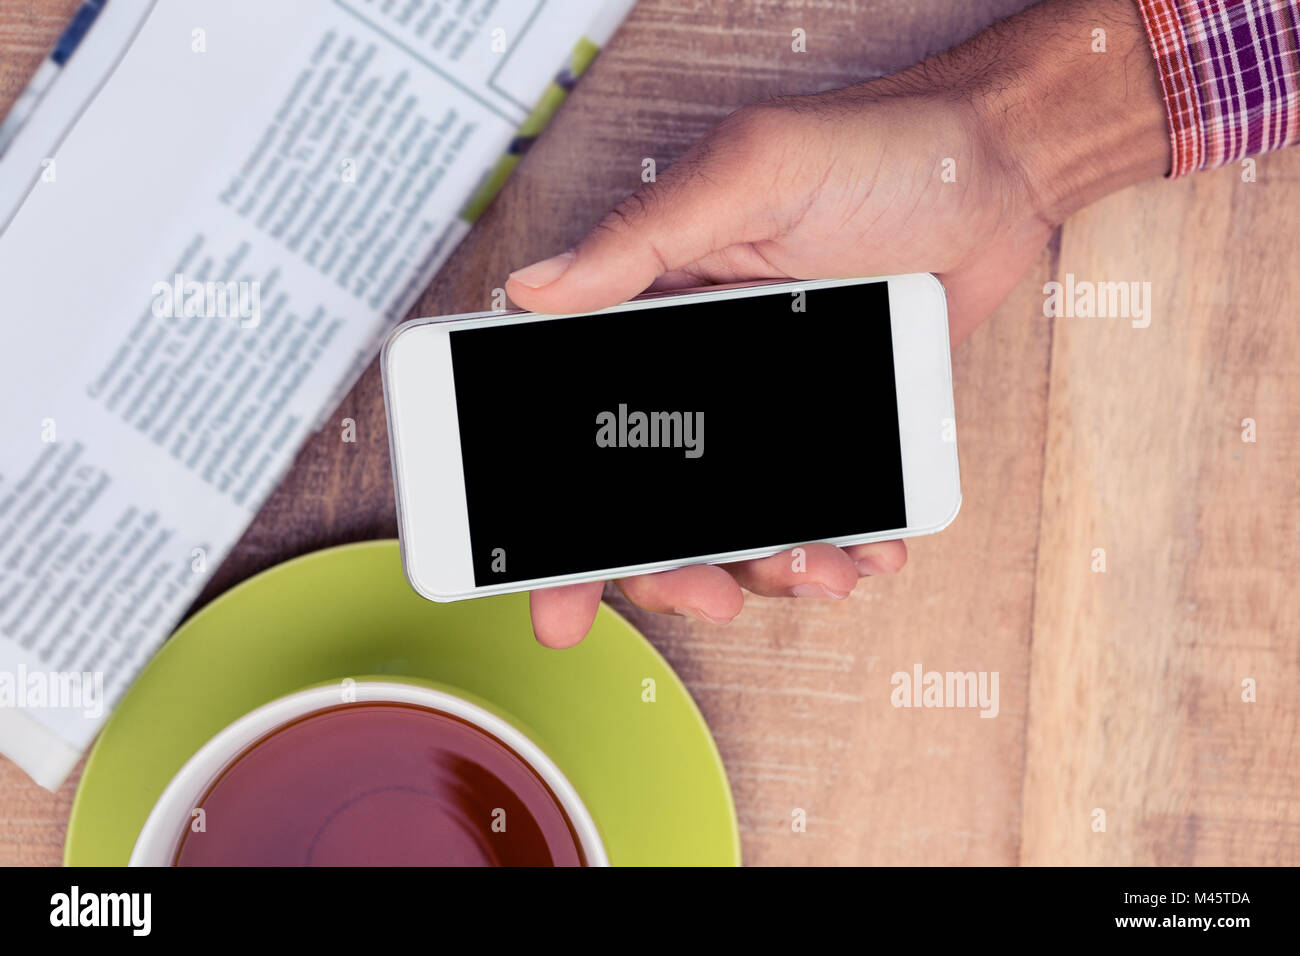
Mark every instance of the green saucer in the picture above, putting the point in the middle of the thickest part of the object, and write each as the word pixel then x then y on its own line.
pixel 648 772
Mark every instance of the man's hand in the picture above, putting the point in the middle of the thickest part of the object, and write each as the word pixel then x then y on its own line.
pixel 1027 122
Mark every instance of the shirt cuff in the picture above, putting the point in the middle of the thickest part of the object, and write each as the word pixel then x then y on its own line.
pixel 1230 75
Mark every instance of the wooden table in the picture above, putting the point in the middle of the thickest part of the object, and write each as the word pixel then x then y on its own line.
pixel 1120 691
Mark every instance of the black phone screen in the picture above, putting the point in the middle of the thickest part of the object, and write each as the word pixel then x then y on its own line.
pixel 678 432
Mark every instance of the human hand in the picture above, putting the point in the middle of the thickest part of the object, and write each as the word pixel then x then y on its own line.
pixel 852 183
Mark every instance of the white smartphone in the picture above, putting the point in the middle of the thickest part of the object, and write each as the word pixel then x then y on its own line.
pixel 722 424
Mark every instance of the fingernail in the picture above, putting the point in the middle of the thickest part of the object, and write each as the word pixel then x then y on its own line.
pixel 544 272
pixel 817 591
pixel 698 615
pixel 867 567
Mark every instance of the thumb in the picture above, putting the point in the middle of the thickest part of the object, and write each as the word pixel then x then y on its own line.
pixel 694 209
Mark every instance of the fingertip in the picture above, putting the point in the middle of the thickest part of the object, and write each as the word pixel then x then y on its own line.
pixel 724 603
pixel 521 296
pixel 727 599
pixel 705 592
pixel 811 570
pixel 533 287
pixel 598 282
pixel 543 273
pixel 881 557
pixel 533 299
pixel 563 616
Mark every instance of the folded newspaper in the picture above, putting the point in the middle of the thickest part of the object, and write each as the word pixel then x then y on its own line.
pixel 208 221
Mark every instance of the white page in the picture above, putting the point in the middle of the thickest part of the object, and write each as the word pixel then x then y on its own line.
pixel 138 446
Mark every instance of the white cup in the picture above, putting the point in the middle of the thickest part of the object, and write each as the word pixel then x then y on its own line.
pixel 161 835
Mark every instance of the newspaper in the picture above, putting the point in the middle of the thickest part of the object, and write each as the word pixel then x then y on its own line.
pixel 210 220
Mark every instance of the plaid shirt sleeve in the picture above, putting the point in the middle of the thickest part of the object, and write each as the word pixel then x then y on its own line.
pixel 1230 73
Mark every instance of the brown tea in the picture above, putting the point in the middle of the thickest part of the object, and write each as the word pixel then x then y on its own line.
pixel 380 784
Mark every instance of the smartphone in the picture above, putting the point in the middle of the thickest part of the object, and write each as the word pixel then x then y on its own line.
pixel 718 425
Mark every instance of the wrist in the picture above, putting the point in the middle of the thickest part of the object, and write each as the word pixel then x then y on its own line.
pixel 1076 122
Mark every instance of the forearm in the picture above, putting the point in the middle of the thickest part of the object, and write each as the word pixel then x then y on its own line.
pixel 1087 123
pixel 1076 124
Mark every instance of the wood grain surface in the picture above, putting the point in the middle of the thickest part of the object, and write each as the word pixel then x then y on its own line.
pixel 1120 691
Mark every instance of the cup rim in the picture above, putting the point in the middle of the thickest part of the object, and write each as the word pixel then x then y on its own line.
pixel 162 830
